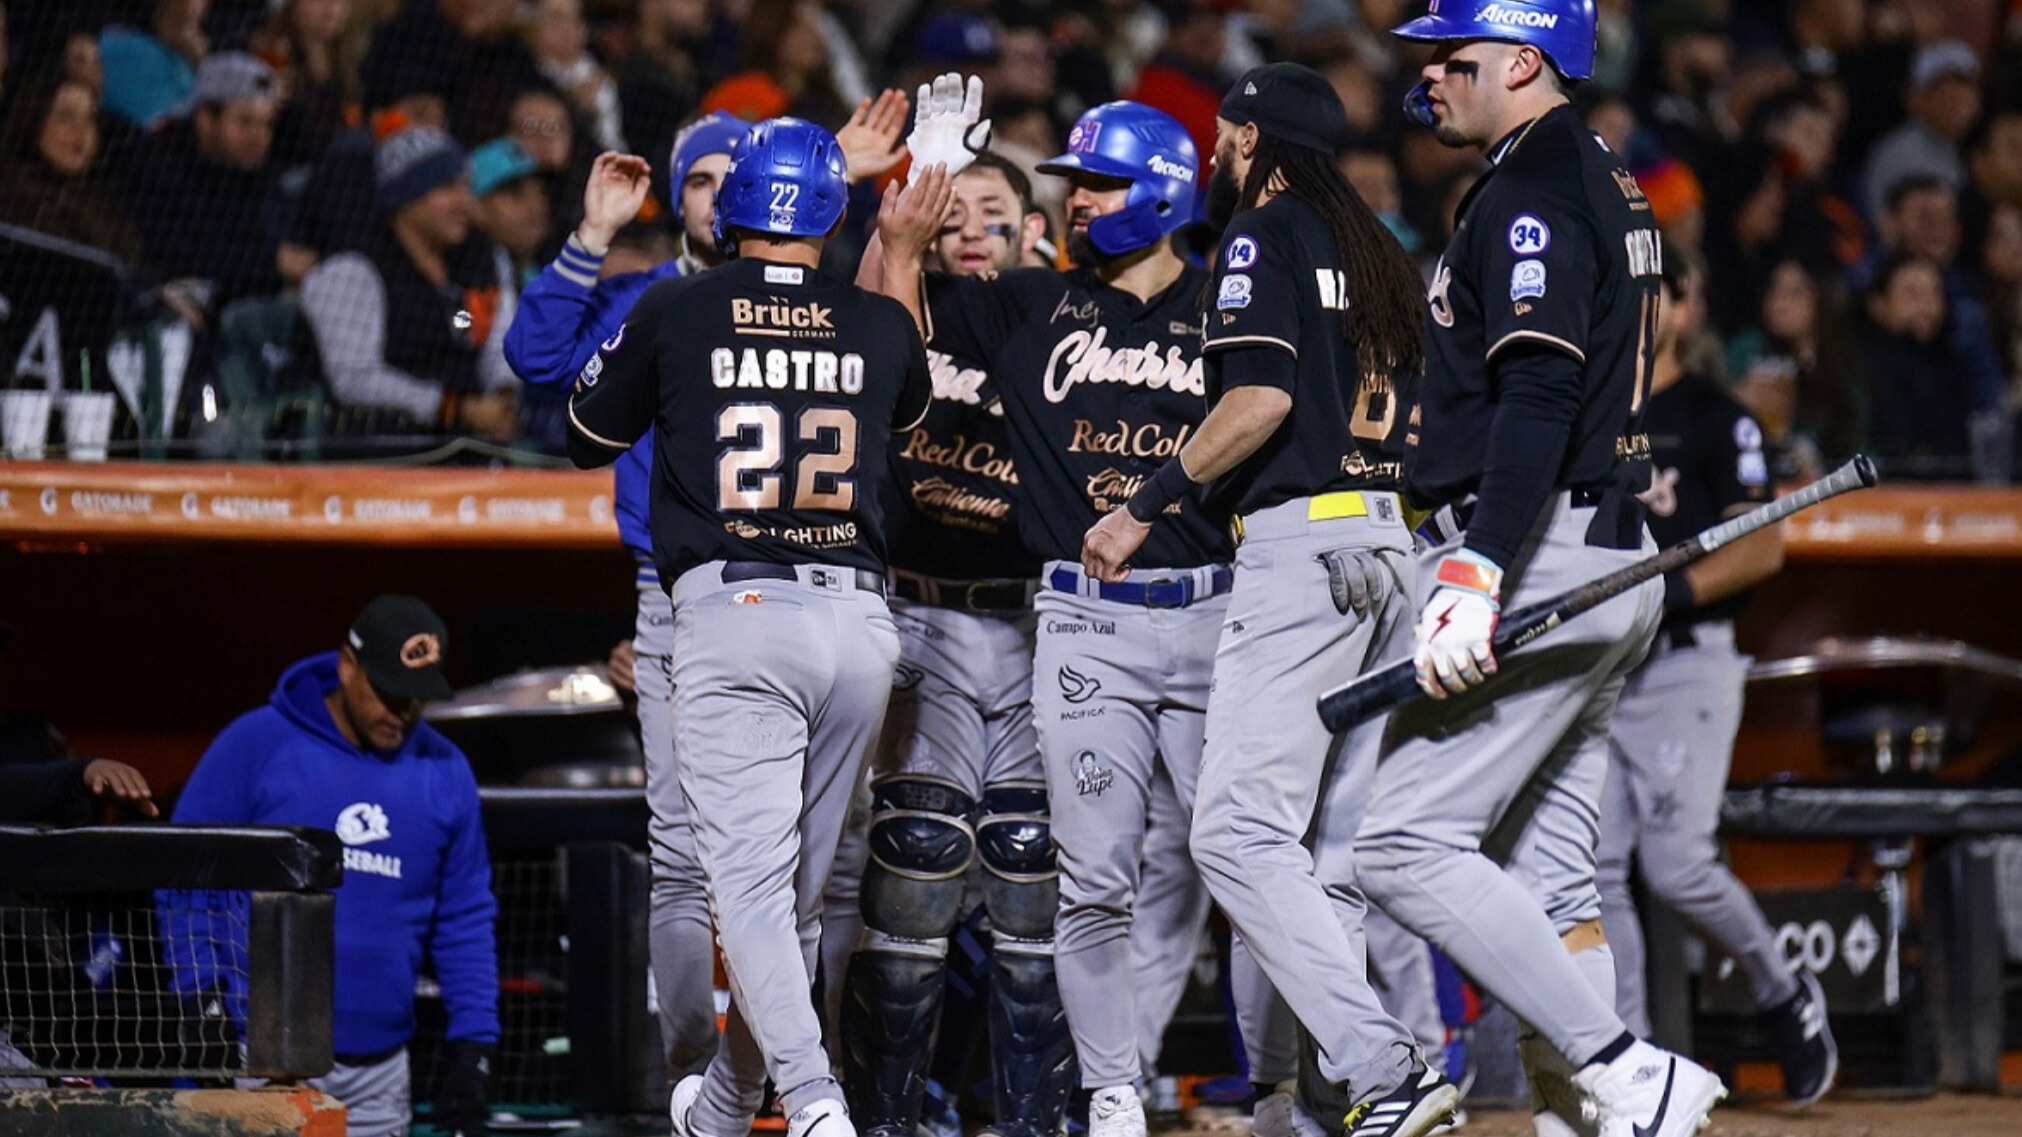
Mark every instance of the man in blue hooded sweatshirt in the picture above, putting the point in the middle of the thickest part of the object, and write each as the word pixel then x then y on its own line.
pixel 341 746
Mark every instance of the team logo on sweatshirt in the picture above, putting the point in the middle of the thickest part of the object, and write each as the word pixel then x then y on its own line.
pixel 362 823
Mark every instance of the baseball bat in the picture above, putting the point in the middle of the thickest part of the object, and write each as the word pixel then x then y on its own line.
pixel 1370 695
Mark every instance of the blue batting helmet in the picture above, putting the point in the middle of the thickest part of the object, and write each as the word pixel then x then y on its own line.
pixel 786 177
pixel 1562 29
pixel 1149 149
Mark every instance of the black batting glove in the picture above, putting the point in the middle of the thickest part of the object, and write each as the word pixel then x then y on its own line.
pixel 462 1100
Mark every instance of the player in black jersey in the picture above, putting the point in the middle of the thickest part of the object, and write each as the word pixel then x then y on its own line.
pixel 774 389
pixel 1314 322
pixel 1099 372
pixel 1538 338
pixel 1673 733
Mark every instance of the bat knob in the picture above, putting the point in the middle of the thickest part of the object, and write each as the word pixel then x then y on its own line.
pixel 1864 468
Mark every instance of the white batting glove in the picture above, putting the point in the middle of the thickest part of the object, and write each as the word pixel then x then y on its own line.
pixel 948 124
pixel 1457 625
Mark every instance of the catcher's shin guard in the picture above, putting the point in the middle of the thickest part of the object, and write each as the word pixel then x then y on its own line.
pixel 890 1008
pixel 1031 1052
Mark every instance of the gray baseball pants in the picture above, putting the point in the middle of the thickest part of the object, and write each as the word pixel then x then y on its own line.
pixel 1673 744
pixel 680 943
pixel 1116 689
pixel 1280 799
pixel 377 1098
pixel 1526 751
pixel 779 691
pixel 1167 920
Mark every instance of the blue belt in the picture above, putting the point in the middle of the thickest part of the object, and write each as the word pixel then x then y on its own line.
pixel 1164 592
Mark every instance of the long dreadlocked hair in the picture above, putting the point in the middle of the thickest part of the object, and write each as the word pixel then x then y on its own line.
pixel 1386 316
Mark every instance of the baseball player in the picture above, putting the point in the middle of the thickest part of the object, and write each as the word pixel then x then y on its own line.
pixel 1099 373
pixel 1301 448
pixel 771 385
pixel 1674 729
pixel 563 315
pixel 959 780
pixel 1540 317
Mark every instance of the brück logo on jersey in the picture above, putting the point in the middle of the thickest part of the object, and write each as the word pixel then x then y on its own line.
pixel 798 321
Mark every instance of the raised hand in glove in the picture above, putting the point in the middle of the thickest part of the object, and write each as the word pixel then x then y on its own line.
pixel 948 124
pixel 462 1102
pixel 1457 624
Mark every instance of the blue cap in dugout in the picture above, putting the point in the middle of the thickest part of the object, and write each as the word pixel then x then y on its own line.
pixel 1149 149
pixel 1562 29
pixel 786 177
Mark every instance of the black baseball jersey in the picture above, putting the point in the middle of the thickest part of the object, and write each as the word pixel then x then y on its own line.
pixel 957 485
pixel 1100 389
pixel 1280 284
pixel 1555 248
pixel 775 388
pixel 1706 457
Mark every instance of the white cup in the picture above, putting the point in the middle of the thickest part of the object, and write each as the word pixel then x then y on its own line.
pixel 87 425
pixel 24 422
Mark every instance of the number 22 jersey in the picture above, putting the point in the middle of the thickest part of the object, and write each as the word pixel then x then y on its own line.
pixel 775 388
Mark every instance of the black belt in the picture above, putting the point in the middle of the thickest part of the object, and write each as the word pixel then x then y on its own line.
pixel 987 596
pixel 1681 636
pixel 736 572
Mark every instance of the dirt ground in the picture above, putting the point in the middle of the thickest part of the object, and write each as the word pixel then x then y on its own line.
pixel 1946 1115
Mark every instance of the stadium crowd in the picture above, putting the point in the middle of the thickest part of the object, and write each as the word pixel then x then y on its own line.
pixel 325 208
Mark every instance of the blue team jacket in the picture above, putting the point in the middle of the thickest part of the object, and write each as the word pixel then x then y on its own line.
pixel 417 880
pixel 563 315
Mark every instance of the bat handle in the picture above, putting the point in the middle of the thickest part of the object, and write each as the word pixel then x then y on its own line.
pixel 1374 693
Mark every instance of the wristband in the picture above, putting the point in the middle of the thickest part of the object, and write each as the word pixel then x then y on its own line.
pixel 1170 484
pixel 1677 593
pixel 1469 570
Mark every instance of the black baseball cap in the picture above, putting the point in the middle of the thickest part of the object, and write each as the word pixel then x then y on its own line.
pixel 400 641
pixel 1290 102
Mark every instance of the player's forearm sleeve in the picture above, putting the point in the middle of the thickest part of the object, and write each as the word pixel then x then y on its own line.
pixel 345 304
pixel 1258 365
pixel 551 336
pixel 1540 397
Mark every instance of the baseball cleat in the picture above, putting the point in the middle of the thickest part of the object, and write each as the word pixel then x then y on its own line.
pixel 1805 1044
pixel 1558 1109
pixel 1647 1092
pixel 1280 1115
pixel 825 1117
pixel 1116 1111
pixel 1425 1101
pixel 681 1102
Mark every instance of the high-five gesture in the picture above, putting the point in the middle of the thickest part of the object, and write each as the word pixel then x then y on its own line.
pixel 909 218
pixel 612 198
pixel 870 139
pixel 949 128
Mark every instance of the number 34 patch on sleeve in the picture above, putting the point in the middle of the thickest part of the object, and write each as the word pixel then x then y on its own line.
pixel 1529 236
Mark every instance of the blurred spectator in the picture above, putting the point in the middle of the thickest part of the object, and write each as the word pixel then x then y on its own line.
pixel 1185 78
pixel 1919 394
pixel 1943 101
pixel 49 181
pixel 200 190
pixel 150 73
pixel 340 745
pixel 560 44
pixel 786 67
pixel 1745 199
pixel 958 41
pixel 1681 98
pixel 1677 202
pixel 1374 177
pixel 81 61
pixel 316 47
pixel 512 209
pixel 404 328
pixel 1921 216
pixel 1617 46
pixel 469 44
pixel 662 78
pixel 1126 33
pixel 1819 227
pixel 334 213
pixel 1997 268
pixel 44 782
pixel 1791 368
pixel 539 122
pixel 1363 98
pixel 1994 159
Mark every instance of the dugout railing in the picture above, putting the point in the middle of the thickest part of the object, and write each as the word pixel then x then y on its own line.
pixel 87 982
